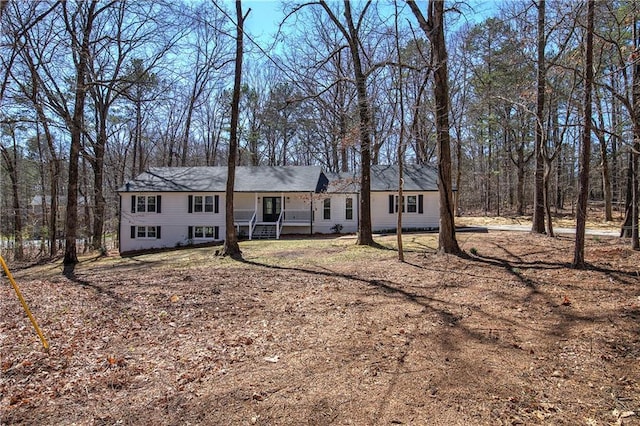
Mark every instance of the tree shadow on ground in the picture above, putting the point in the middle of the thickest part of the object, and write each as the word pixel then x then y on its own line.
pixel 69 272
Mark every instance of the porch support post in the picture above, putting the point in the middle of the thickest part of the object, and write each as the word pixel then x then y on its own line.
pixel 255 208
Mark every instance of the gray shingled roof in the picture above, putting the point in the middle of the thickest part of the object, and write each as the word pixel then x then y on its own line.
pixel 279 179
pixel 385 178
pixel 416 178
pixel 214 179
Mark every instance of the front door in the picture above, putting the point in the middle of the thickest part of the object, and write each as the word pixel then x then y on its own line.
pixel 271 207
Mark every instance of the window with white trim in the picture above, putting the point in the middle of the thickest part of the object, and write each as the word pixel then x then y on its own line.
pixel 203 203
pixel 412 204
pixel 145 232
pixel 201 232
pixel 348 212
pixel 326 209
pixel 145 203
pixel 409 203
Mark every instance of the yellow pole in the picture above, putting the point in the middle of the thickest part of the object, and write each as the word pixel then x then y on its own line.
pixel 24 304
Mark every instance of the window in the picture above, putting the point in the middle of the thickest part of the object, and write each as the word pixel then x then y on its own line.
pixel 142 204
pixel 203 203
pixel 197 204
pixel 412 204
pixel 203 232
pixel 145 232
pixel 145 203
pixel 348 213
pixel 326 209
pixel 151 232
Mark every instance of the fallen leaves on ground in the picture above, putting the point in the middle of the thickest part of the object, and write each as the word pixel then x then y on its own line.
pixel 334 334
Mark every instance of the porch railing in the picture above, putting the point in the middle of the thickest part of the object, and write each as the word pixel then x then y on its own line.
pixel 279 225
pixel 297 216
pixel 243 215
pixel 252 224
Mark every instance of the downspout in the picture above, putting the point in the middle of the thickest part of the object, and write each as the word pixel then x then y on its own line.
pixel 311 214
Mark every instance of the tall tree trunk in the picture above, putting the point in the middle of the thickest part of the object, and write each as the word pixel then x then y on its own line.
pixel 585 155
pixel 53 218
pixel 604 157
pixel 539 196
pixel 547 196
pixel 615 138
pixel 84 192
pixel 520 163
pixel 434 29
pixel 456 199
pixel 76 128
pixel 11 162
pixel 54 161
pixel 231 247
pixel 187 124
pixel 625 229
pixel 400 152
pixel 97 165
pixel 365 234
pixel 138 140
pixel 635 238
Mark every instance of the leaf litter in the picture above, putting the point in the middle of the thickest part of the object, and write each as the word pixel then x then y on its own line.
pixel 509 335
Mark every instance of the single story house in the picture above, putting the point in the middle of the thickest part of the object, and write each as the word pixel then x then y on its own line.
pixel 176 206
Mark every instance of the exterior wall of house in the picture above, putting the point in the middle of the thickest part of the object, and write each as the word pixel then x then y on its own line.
pixel 337 214
pixel 383 219
pixel 173 222
pixel 172 226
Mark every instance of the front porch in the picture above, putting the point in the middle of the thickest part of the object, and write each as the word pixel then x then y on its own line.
pixel 247 223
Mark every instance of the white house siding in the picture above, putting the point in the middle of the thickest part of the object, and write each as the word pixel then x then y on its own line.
pixel 174 220
pixel 243 201
pixel 338 214
pixel 382 219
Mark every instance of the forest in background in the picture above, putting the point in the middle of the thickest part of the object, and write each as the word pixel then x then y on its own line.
pixel 94 92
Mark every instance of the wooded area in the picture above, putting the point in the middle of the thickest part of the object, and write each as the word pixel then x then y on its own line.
pixel 94 92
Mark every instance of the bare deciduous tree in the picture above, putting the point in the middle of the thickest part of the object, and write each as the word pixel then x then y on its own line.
pixel 585 157
pixel 231 247
pixel 433 27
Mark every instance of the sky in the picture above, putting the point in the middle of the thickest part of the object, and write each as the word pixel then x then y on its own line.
pixel 265 15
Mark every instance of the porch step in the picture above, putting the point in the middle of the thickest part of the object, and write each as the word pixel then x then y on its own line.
pixel 264 232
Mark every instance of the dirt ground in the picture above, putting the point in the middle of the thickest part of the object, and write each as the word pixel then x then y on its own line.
pixel 324 332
